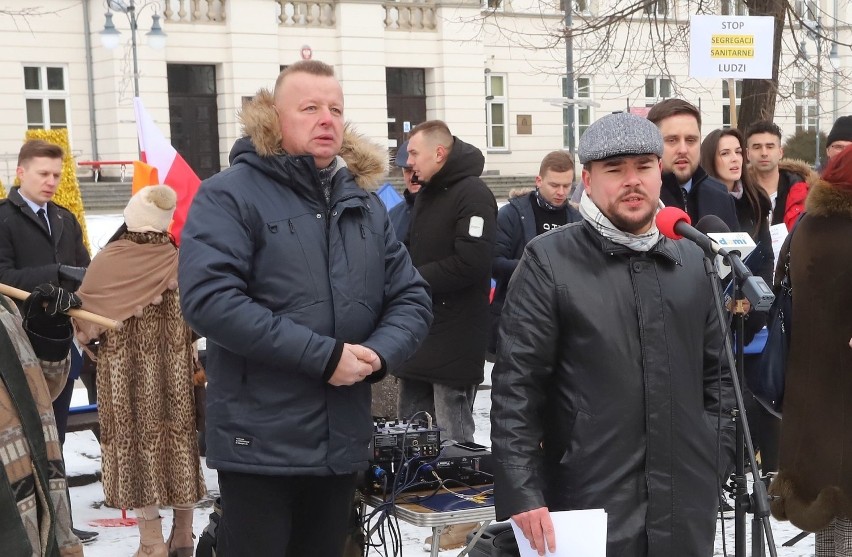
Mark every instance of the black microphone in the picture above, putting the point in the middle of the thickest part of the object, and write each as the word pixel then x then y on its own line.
pixel 710 224
pixel 675 224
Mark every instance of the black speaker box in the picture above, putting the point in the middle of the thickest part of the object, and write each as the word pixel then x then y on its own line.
pixel 498 540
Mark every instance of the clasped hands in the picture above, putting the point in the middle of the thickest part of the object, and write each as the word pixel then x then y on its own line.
pixel 356 363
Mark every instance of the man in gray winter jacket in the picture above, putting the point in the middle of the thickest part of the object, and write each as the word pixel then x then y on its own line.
pixel 293 273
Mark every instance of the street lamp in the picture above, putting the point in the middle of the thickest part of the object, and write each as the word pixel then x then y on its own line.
pixel 815 32
pixel 110 36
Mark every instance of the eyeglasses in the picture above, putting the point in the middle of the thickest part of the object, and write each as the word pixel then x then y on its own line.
pixel 838 146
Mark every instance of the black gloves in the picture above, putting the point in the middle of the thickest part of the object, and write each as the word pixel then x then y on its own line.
pixel 46 324
pixel 73 276
pixel 51 302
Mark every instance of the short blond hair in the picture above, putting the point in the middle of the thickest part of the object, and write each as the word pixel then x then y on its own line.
pixel 313 67
pixel 436 131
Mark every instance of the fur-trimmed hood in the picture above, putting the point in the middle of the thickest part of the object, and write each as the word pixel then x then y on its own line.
pixel 794 166
pixel 800 168
pixel 825 200
pixel 520 192
pixel 366 160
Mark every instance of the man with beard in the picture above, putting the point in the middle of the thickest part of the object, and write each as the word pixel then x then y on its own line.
pixel 607 390
pixel 526 216
pixel 685 184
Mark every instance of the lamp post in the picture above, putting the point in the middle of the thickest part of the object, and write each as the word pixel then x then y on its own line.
pixel 569 73
pixel 815 33
pixel 110 36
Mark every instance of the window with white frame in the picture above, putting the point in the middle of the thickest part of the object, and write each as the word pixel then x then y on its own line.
pixel 496 111
pixel 806 9
pixel 734 7
pixel 804 93
pixel 582 112
pixel 656 7
pixel 726 100
pixel 46 97
pixel 656 89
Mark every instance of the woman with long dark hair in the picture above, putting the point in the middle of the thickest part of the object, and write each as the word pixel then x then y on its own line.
pixel 723 157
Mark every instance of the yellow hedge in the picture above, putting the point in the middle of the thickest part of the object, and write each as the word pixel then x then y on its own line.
pixel 68 193
pixel 2 191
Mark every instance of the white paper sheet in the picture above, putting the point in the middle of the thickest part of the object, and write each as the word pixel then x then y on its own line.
pixel 578 534
pixel 778 232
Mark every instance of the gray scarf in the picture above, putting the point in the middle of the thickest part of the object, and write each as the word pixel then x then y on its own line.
pixel 642 242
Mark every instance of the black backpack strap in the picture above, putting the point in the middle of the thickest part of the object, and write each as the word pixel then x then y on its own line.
pixel 782 266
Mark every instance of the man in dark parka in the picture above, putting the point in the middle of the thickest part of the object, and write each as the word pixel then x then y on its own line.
pixel 608 391
pixel 451 241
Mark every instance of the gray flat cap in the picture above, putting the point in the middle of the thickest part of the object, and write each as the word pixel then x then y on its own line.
pixel 620 134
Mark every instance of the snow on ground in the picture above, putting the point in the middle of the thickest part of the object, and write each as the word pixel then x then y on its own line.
pixel 82 454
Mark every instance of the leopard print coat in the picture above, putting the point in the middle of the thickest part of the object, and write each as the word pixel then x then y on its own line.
pixel 147 410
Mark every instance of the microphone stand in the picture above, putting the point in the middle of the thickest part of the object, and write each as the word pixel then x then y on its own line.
pixel 756 503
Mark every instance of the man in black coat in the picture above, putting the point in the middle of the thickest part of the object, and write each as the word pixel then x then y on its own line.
pixel 608 391
pixel 685 184
pixel 451 241
pixel 42 242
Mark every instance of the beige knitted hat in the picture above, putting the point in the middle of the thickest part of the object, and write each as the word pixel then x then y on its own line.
pixel 151 209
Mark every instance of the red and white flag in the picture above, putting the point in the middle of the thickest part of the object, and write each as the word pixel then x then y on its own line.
pixel 171 167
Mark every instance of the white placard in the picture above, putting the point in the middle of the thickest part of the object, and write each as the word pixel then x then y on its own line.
pixel 735 47
pixel 579 533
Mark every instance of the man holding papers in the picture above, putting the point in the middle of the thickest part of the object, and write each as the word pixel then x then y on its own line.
pixel 608 391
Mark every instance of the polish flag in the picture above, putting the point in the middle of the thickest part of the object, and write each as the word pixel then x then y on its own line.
pixel 171 167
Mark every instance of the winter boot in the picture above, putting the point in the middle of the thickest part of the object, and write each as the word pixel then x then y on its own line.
pixel 151 542
pixel 180 539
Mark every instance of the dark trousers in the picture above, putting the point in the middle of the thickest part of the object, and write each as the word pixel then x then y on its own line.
pixel 63 401
pixel 284 516
pixel 765 428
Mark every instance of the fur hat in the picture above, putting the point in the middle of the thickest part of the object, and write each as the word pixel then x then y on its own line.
pixel 838 171
pixel 151 209
pixel 840 131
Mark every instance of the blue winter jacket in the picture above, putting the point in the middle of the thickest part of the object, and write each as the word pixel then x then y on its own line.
pixel 276 280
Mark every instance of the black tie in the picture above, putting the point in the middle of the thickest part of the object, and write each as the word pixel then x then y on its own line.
pixel 685 197
pixel 43 216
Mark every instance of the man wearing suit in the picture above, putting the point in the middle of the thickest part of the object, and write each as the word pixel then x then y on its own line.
pixel 685 184
pixel 42 242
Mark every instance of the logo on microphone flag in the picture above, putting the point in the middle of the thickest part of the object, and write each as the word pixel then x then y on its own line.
pixel 172 169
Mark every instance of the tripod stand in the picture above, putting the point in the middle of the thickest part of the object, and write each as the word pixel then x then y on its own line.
pixel 753 289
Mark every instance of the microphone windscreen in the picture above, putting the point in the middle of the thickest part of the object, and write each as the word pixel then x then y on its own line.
pixel 711 224
pixel 666 220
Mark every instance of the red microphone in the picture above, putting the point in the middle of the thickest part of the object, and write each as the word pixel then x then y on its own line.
pixel 668 219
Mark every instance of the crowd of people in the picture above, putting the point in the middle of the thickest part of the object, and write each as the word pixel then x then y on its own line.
pixel 323 310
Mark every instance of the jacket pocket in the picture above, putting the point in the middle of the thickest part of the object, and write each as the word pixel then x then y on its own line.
pixel 290 262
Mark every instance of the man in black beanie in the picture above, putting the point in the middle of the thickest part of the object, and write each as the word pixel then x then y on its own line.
pixel 839 137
